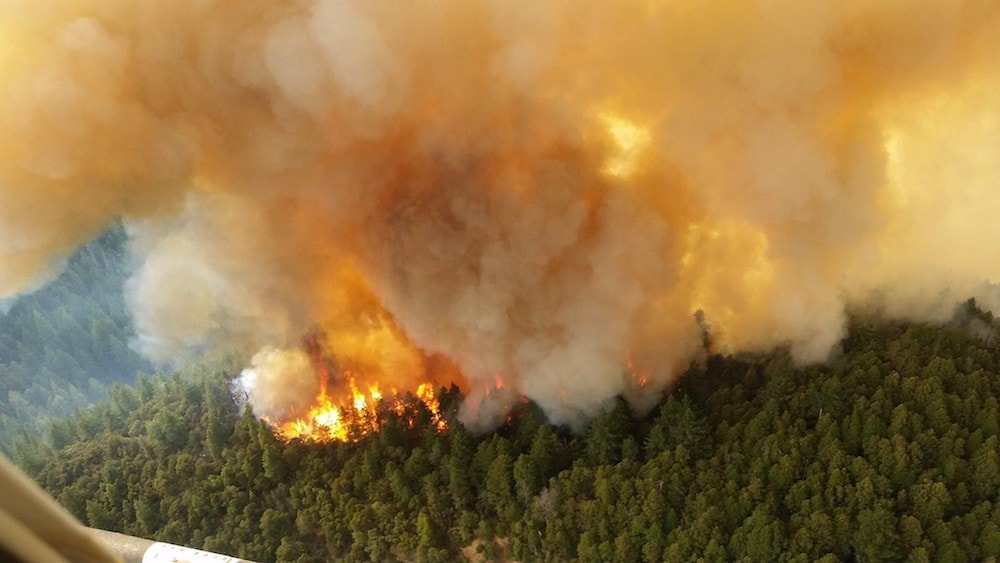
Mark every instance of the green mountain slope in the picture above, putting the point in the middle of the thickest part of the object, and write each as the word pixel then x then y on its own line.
pixel 888 453
pixel 63 346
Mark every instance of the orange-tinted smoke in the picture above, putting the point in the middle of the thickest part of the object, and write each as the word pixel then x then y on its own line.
pixel 540 190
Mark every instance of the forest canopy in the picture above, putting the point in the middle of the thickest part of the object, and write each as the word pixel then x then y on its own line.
pixel 889 452
pixel 64 346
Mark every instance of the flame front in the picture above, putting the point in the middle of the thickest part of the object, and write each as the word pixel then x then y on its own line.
pixel 360 414
pixel 347 376
pixel 425 393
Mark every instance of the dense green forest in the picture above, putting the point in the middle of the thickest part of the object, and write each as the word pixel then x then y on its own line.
pixel 889 452
pixel 64 346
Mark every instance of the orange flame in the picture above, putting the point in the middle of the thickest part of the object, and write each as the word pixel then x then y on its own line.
pixel 382 371
pixel 639 377
pixel 328 421
pixel 425 392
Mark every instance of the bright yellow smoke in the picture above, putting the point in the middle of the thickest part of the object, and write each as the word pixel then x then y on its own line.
pixel 540 191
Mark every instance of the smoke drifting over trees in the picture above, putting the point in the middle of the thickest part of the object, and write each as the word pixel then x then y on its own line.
pixel 537 192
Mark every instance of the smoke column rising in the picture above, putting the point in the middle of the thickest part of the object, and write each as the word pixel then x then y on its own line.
pixel 536 192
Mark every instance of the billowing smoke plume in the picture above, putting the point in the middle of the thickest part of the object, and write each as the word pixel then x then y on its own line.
pixel 538 193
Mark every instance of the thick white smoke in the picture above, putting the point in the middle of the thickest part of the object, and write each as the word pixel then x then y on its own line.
pixel 540 192
pixel 279 384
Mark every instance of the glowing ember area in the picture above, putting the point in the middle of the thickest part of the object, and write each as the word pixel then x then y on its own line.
pixel 639 378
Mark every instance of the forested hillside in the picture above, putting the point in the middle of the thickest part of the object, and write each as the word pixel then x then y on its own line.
pixel 888 453
pixel 63 346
